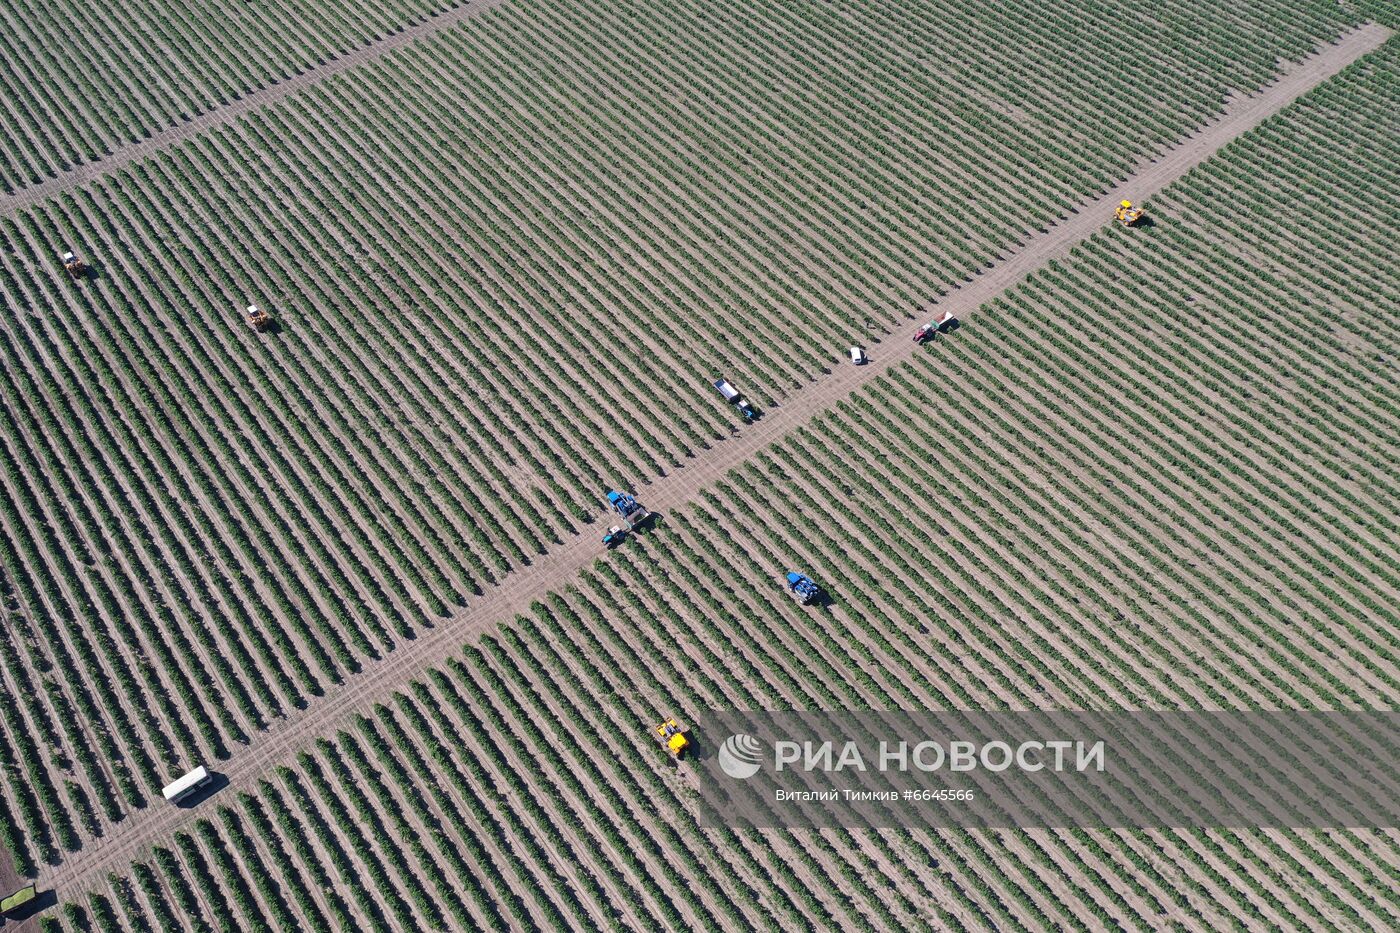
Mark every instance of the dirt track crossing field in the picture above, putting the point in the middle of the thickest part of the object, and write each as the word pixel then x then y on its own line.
pixel 540 256
pixel 562 563
pixel 221 116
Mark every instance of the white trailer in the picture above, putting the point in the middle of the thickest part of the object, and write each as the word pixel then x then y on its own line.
pixel 730 393
pixel 186 786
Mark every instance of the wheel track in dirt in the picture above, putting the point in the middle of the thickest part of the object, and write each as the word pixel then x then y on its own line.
pixel 123 156
pixel 89 866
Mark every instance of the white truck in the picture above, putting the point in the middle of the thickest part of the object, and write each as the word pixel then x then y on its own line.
pixel 188 786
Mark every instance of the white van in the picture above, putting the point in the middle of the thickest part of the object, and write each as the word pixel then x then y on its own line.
pixel 858 356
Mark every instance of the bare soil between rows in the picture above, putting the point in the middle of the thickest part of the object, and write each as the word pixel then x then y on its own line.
pixel 556 569
pixel 221 116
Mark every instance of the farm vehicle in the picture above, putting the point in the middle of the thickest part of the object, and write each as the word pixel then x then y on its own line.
pixel 188 785
pixel 631 511
pixel 15 903
pixel 1126 214
pixel 673 736
pixel 75 266
pixel 802 587
pixel 257 318
pixel 614 536
pixel 940 325
pixel 732 396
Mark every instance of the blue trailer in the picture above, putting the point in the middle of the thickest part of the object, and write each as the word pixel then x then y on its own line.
pixel 802 587
pixel 629 508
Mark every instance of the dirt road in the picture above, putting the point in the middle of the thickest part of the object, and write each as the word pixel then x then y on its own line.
pixel 125 155
pixel 558 568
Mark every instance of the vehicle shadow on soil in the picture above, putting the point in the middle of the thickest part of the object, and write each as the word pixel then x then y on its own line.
pixel 697 751
pixel 217 782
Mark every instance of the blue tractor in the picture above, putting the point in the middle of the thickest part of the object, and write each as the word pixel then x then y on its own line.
pixel 802 587
pixel 628 507
pixel 732 396
pixel 614 536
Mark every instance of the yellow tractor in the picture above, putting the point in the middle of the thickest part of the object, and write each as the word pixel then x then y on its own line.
pixel 257 318
pixel 1127 214
pixel 673 736
pixel 75 266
